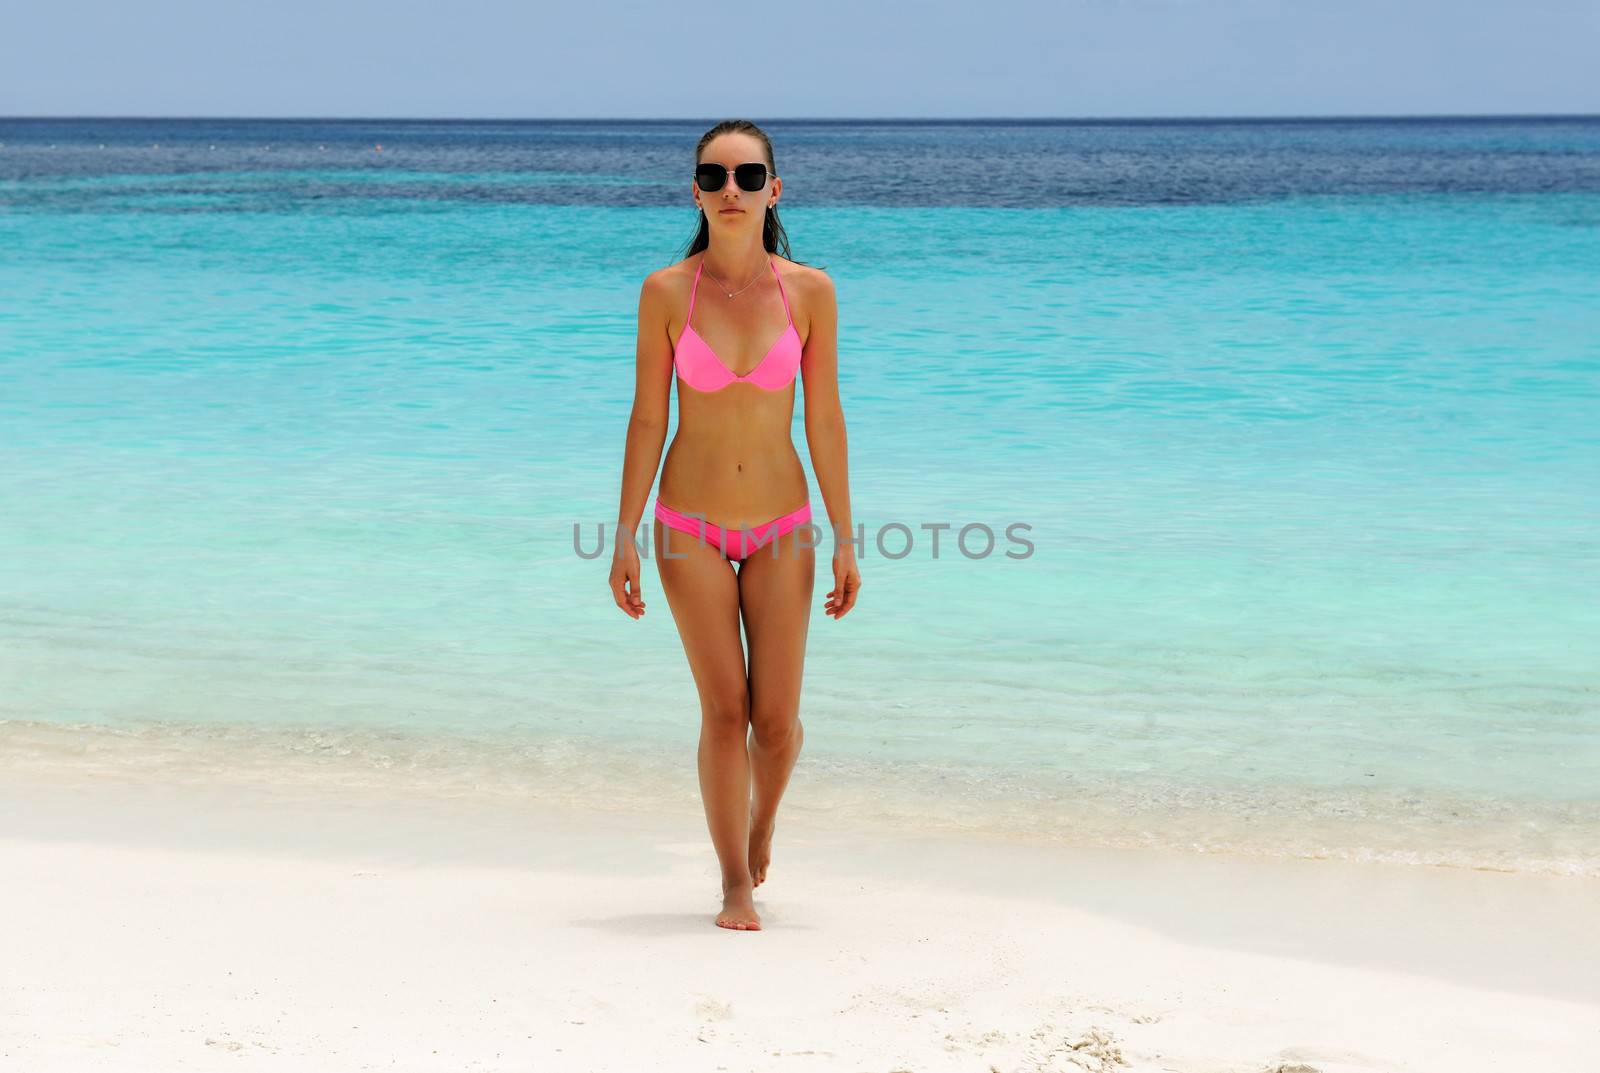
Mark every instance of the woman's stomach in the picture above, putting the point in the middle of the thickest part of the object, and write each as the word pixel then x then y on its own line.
pixel 731 483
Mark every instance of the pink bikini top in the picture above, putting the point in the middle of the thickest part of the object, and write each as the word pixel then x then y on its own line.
pixel 702 370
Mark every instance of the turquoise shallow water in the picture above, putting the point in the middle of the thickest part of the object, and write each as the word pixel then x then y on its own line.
pixel 1312 483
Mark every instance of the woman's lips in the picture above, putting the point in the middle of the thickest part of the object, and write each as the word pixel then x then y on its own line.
pixel 730 210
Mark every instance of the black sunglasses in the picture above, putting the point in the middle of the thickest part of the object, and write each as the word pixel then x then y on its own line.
pixel 713 177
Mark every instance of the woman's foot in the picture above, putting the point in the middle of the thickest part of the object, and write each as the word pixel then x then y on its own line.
pixel 760 851
pixel 739 908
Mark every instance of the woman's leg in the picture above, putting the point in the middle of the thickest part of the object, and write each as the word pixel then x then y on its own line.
pixel 775 600
pixel 703 593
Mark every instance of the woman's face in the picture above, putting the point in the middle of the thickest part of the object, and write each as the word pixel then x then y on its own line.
pixel 749 206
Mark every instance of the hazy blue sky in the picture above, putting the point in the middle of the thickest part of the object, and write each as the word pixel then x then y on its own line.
pixel 498 58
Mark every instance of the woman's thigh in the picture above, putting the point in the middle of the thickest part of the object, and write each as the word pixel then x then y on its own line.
pixel 703 594
pixel 775 601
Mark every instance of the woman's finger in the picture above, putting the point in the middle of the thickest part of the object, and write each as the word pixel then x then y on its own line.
pixel 851 588
pixel 625 593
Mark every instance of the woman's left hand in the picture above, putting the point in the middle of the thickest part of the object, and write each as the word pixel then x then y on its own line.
pixel 846 583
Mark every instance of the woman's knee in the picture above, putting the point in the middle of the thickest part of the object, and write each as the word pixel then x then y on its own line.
pixel 776 727
pixel 726 711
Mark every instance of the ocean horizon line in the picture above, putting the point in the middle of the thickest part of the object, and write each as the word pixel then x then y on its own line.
pixel 1020 121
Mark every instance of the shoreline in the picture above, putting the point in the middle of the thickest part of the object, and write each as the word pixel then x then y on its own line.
pixel 207 925
pixel 1087 809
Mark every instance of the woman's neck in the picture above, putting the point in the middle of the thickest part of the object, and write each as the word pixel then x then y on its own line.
pixel 735 266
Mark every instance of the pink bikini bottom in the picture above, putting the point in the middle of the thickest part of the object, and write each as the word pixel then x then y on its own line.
pixel 735 544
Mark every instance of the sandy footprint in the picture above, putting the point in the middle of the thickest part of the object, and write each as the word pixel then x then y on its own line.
pixel 1313 1059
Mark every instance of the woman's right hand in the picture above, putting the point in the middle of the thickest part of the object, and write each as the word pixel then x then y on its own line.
pixel 625 579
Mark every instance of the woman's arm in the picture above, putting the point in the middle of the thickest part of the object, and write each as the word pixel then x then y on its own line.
pixel 647 433
pixel 825 435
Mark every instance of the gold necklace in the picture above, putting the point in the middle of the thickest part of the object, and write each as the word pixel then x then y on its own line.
pixel 724 286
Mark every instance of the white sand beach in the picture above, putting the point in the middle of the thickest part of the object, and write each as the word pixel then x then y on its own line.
pixel 204 927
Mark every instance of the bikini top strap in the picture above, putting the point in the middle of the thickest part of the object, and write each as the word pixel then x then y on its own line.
pixel 693 290
pixel 781 291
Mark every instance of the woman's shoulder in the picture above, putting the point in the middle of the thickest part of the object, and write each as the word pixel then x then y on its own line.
pixel 672 275
pixel 807 280
pixel 668 287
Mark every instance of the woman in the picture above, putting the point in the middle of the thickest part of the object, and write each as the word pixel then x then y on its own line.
pixel 733 489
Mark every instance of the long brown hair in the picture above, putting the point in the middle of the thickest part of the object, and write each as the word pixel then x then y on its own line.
pixel 773 236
